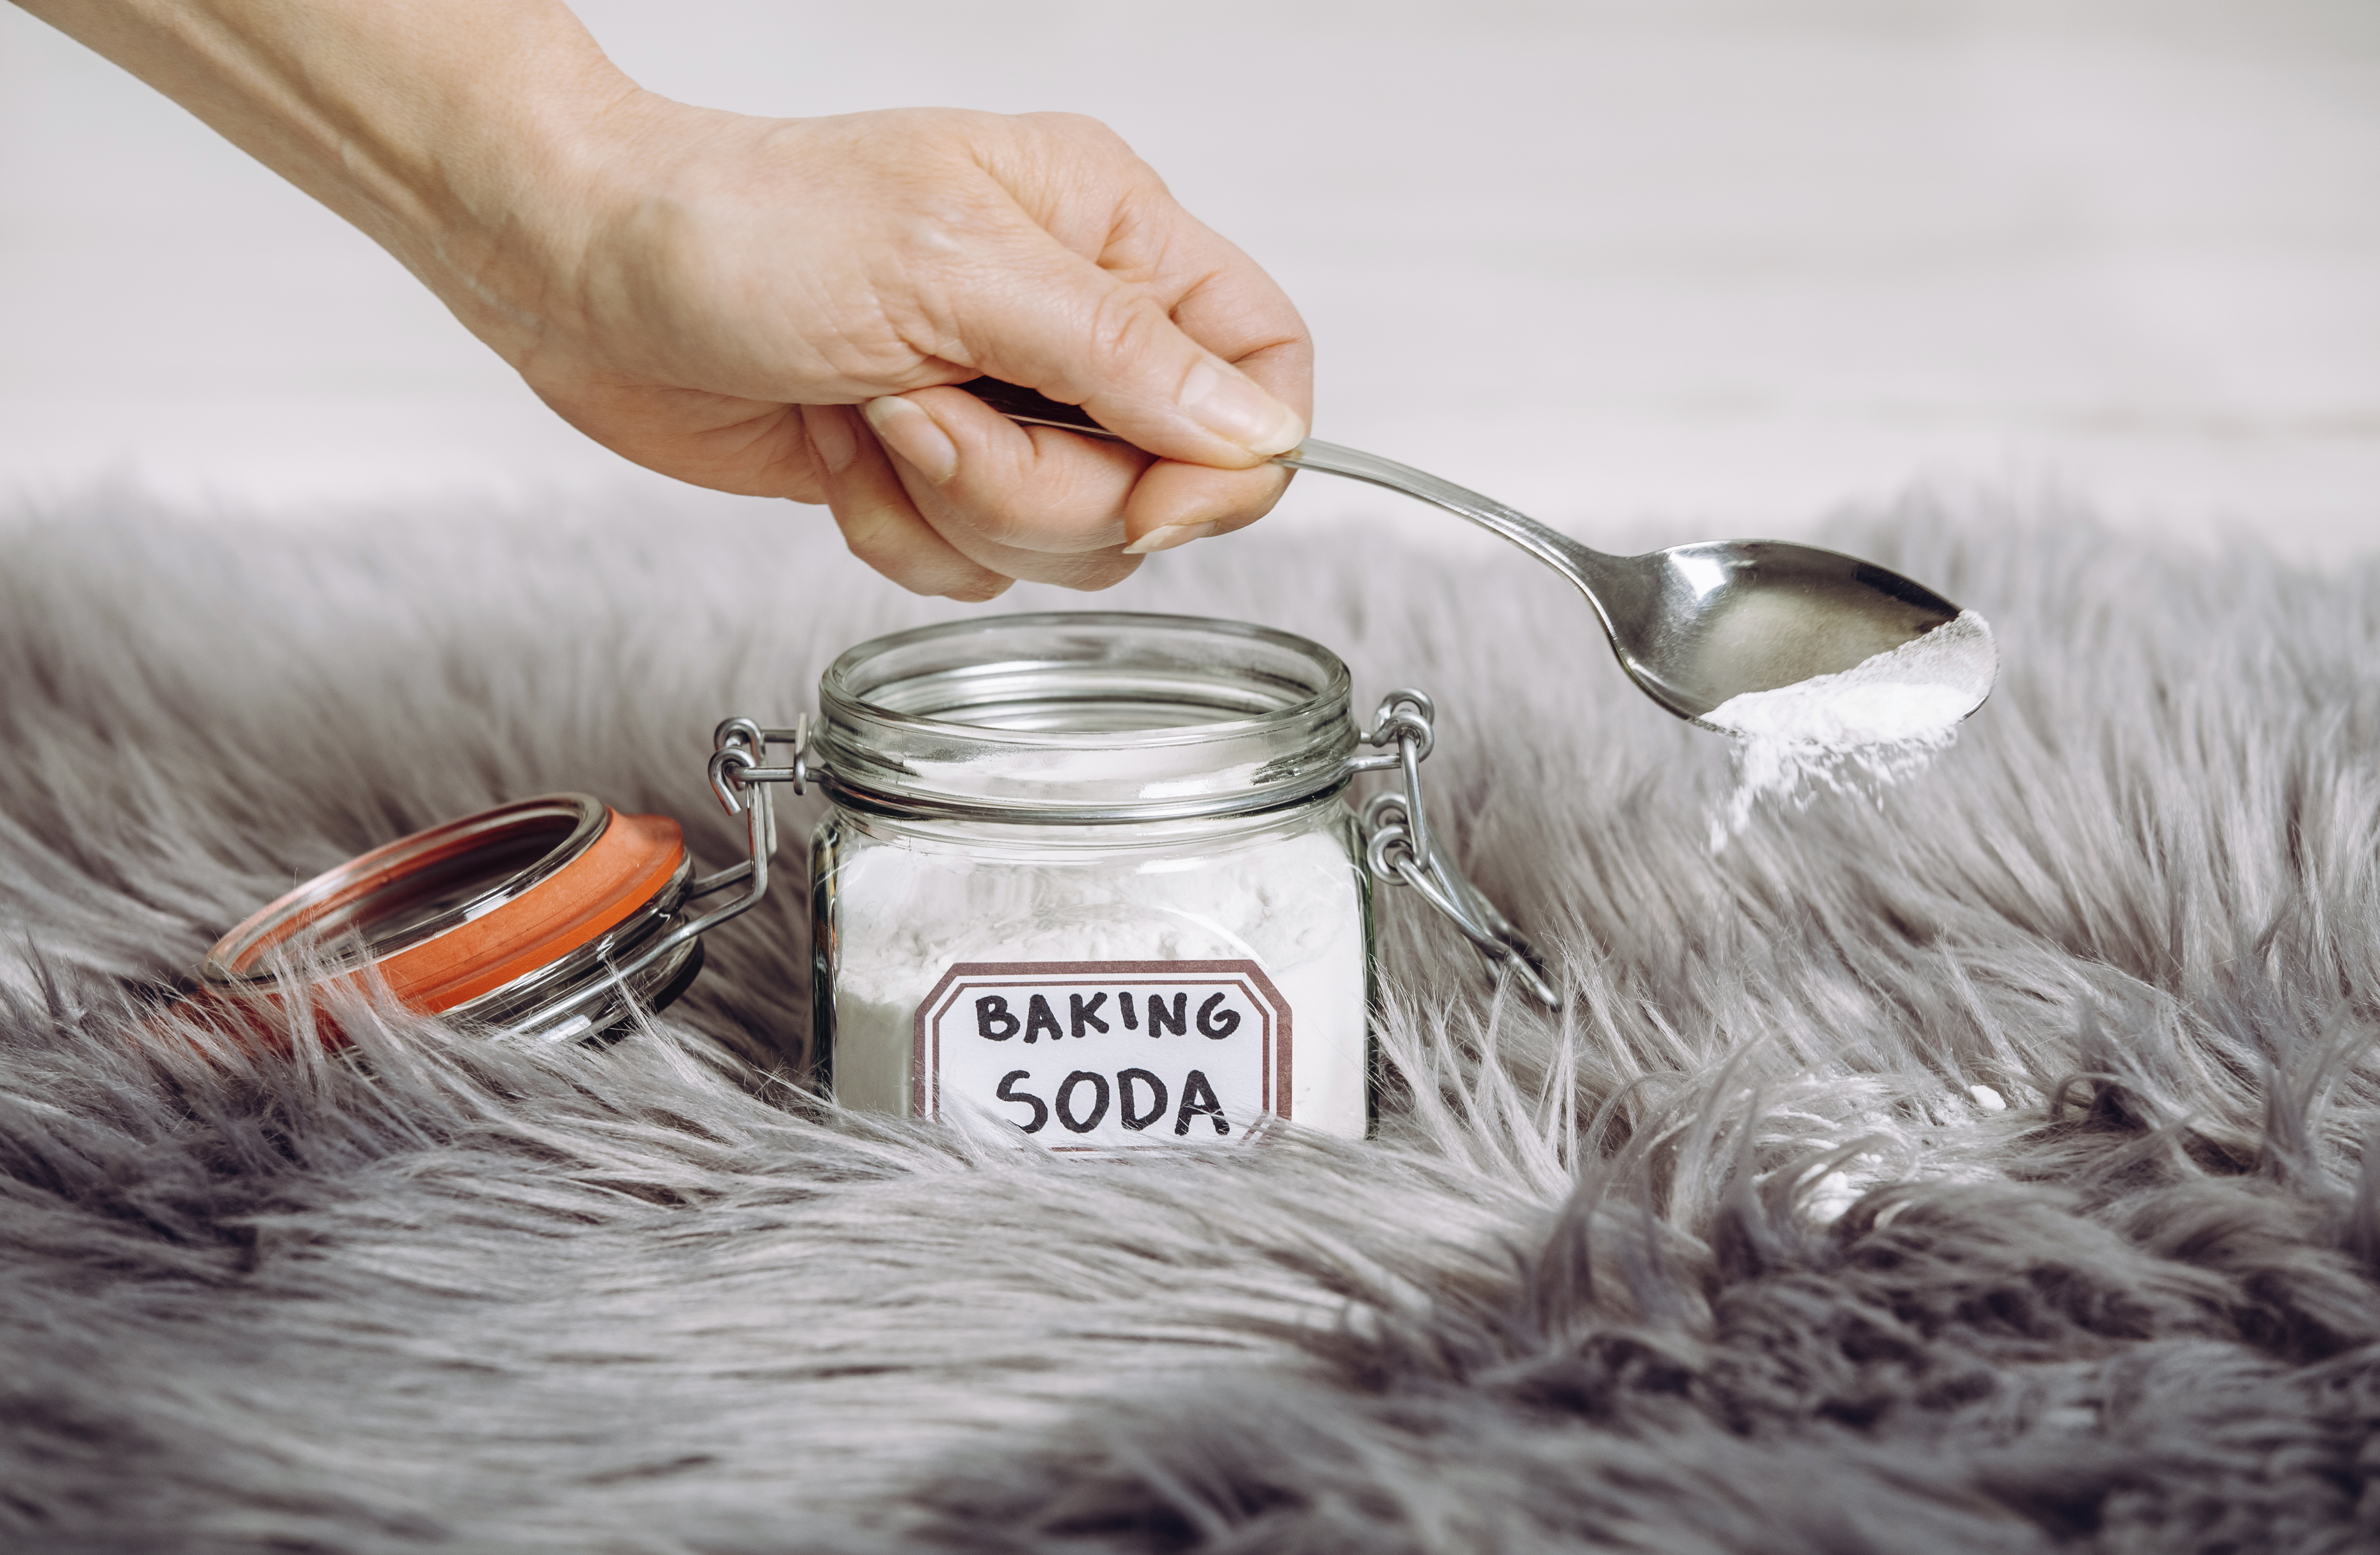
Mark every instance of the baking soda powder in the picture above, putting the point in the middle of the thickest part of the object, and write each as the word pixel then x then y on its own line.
pixel 1872 724
pixel 1177 993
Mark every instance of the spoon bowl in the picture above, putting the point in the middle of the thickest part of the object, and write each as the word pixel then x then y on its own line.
pixel 1698 625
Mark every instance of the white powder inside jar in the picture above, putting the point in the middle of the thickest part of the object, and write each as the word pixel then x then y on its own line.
pixel 1879 721
pixel 905 915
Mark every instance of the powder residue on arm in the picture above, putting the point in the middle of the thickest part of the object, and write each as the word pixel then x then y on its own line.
pixel 1874 724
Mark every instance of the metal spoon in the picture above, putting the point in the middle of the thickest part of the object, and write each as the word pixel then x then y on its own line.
pixel 1694 626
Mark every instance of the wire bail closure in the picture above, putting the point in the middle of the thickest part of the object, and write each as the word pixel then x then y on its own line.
pixel 1400 850
pixel 739 759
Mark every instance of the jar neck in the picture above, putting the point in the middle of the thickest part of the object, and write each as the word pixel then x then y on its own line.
pixel 1212 833
pixel 1090 718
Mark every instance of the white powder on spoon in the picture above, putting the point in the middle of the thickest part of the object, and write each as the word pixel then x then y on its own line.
pixel 1874 724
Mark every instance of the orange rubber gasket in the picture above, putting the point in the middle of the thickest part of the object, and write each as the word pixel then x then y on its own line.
pixel 587 898
pixel 622 870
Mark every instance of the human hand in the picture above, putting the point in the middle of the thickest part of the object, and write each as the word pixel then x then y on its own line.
pixel 709 294
pixel 736 286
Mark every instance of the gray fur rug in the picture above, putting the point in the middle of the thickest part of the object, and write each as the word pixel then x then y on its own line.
pixel 1733 1257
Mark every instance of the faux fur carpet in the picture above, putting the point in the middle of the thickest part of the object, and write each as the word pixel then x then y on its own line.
pixel 1733 1257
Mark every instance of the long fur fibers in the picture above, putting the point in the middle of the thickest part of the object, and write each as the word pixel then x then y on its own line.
pixel 1986 1167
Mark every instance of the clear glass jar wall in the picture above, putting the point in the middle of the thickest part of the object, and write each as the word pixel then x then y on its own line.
pixel 1091 876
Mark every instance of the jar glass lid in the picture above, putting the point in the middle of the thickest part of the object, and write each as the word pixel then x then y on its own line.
pixel 495 917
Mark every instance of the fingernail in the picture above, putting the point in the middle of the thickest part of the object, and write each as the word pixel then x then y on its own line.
pixel 1234 409
pixel 1168 537
pixel 832 435
pixel 913 434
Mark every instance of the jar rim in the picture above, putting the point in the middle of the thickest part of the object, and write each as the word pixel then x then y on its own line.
pixel 1084 716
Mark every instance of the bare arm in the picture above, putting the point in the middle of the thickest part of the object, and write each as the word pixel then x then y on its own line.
pixel 709 294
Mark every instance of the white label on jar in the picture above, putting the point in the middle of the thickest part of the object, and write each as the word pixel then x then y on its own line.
pixel 1096 1054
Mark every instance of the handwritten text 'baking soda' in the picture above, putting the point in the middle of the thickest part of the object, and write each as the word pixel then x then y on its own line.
pixel 1135 1061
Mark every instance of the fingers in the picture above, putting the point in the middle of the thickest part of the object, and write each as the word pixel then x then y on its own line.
pixel 878 522
pixel 1034 312
pixel 1033 503
pixel 946 538
pixel 1033 489
pixel 972 471
pixel 1139 236
pixel 1175 503
pixel 1163 331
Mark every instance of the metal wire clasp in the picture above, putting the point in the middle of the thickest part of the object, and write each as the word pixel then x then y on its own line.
pixel 744 782
pixel 1398 849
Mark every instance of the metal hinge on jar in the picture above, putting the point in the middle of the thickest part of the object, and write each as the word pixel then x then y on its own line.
pixel 1400 849
pixel 739 761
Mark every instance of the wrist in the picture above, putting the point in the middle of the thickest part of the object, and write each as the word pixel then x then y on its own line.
pixel 512 196
pixel 639 218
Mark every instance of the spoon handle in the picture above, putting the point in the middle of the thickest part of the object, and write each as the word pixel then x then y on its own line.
pixel 1578 563
pixel 1550 546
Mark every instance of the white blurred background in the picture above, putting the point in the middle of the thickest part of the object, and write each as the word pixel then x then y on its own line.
pixel 1707 267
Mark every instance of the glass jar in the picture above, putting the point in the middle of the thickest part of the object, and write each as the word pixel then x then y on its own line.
pixel 1092 875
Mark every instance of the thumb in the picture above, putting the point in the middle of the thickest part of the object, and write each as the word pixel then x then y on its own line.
pixel 1059 324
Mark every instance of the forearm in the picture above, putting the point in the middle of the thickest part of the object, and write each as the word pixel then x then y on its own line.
pixel 456 133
